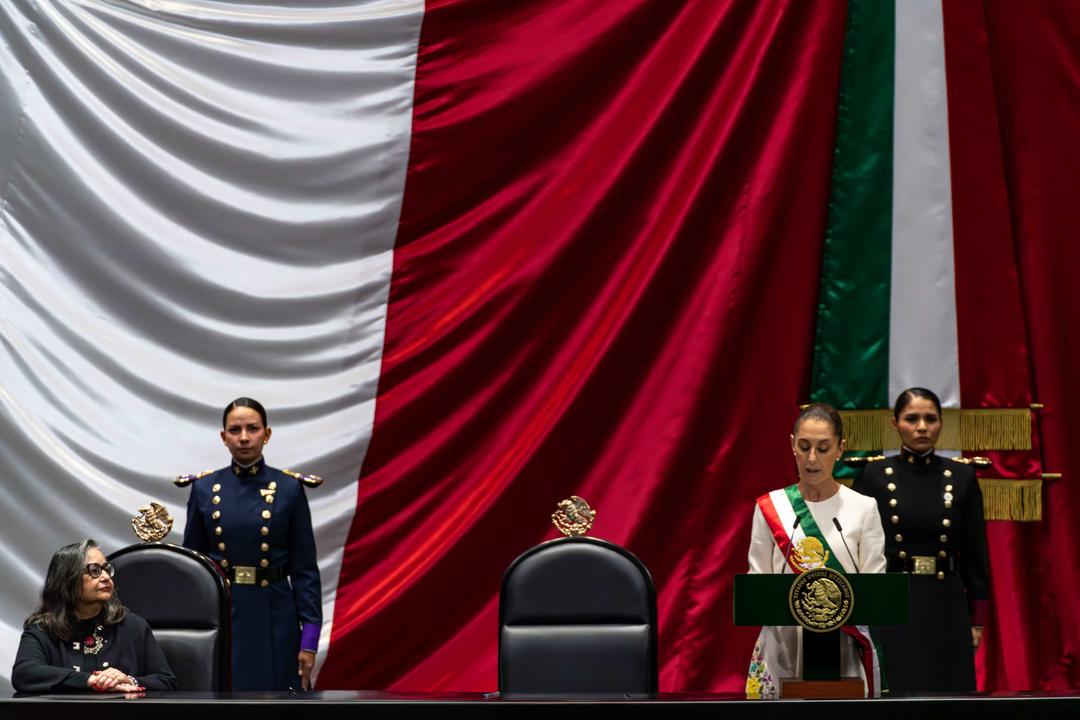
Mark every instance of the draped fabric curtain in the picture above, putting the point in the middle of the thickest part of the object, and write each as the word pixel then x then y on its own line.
pixel 198 200
pixel 1034 81
pixel 604 285
pixel 475 256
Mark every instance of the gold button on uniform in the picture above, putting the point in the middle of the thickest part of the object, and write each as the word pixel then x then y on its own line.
pixel 265 547
pixel 892 503
pixel 903 554
pixel 940 575
pixel 948 488
pixel 272 485
pixel 216 488
pixel 264 563
pixel 948 504
pixel 221 547
pixel 215 515
pixel 216 500
pixel 217 530
pixel 946 522
pixel 266 514
pixel 944 538
pixel 264 583
pixel 948 473
pixel 942 554
pixel 894 519
pixel 888 471
pixel 892 487
pixel 898 537
pixel 224 562
pixel 264 530
pixel 269 498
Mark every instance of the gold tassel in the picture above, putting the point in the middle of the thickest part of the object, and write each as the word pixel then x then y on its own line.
pixel 964 429
pixel 995 429
pixel 863 429
pixel 1019 500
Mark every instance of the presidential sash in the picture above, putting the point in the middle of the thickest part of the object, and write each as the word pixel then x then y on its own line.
pixel 807 549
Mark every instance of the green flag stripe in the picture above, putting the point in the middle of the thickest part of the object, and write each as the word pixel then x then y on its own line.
pixel 851 346
pixel 809 526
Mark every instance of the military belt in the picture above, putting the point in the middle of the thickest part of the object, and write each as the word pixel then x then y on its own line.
pixel 923 564
pixel 251 575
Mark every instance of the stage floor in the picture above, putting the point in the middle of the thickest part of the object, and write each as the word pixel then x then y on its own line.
pixel 372 705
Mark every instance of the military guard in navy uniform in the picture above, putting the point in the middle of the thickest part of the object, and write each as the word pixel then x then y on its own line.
pixel 932 511
pixel 253 520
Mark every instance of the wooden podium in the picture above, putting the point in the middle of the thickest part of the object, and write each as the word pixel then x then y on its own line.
pixel 879 599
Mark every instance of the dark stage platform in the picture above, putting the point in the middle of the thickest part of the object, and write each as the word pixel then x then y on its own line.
pixel 372 705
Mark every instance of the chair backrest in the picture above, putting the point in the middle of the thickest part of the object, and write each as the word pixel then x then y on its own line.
pixel 184 597
pixel 577 616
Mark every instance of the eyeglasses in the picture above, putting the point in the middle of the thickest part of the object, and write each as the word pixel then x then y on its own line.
pixel 95 569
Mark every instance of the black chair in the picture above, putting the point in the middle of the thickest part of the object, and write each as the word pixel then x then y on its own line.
pixel 185 599
pixel 577 616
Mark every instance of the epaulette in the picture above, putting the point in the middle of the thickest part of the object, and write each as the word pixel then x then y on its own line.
pixel 976 461
pixel 185 480
pixel 312 481
pixel 860 460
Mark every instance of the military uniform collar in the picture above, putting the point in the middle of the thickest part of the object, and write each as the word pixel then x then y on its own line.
pixel 246 471
pixel 910 457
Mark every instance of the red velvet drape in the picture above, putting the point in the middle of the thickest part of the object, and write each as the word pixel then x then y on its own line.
pixel 1035 66
pixel 605 284
pixel 1011 127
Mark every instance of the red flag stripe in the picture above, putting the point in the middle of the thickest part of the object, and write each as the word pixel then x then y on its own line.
pixel 596 199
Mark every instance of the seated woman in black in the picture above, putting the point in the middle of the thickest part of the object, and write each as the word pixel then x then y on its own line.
pixel 82 638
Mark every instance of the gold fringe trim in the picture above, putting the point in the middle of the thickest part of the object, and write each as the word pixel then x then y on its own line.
pixel 1019 500
pixel 965 429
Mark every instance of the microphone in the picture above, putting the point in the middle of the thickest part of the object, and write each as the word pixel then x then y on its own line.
pixel 791 545
pixel 841 531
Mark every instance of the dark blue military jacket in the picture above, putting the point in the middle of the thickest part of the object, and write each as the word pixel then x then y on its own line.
pixel 932 508
pixel 256 524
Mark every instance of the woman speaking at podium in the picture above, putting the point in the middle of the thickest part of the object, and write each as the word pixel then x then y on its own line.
pixel 254 522
pixel 933 510
pixel 814 523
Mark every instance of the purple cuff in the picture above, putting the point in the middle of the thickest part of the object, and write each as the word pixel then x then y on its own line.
pixel 309 637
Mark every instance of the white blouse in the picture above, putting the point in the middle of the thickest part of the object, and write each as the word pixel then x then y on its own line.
pixel 778 651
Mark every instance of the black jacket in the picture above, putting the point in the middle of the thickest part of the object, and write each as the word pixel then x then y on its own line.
pixel 44 664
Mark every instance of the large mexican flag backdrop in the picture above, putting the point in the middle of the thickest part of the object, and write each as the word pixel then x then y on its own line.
pixel 478 256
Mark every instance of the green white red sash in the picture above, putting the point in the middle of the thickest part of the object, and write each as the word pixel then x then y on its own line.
pixel 780 508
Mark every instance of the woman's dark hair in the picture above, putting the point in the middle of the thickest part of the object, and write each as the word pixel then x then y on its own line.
pixel 63 592
pixel 905 398
pixel 820 411
pixel 244 402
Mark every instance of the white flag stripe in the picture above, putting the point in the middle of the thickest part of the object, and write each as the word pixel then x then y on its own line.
pixel 923 347
pixel 196 205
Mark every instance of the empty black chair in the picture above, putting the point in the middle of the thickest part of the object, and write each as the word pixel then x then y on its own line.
pixel 577 616
pixel 184 598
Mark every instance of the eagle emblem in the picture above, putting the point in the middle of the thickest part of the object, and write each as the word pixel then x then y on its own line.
pixel 573 517
pixel 809 553
pixel 152 523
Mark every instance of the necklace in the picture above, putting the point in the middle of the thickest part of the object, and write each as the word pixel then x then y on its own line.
pixel 91 644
